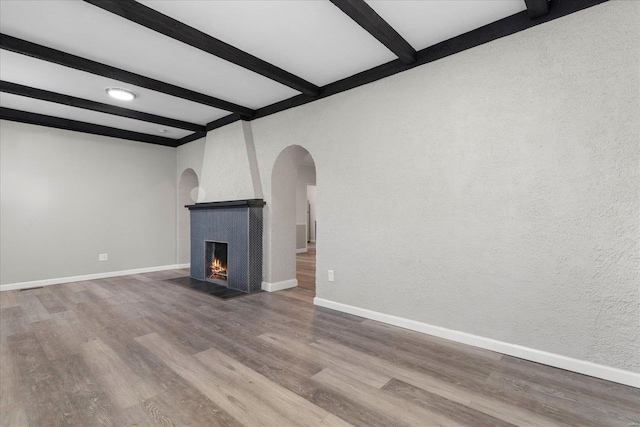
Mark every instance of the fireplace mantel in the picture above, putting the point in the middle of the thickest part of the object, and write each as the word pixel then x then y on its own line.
pixel 238 224
pixel 248 203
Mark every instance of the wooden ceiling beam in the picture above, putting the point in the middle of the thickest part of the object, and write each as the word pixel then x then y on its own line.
pixel 537 8
pixel 194 136
pixel 163 24
pixel 72 101
pixel 77 126
pixel 494 31
pixel 44 53
pixel 373 23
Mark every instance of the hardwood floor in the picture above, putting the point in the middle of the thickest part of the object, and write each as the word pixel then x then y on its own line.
pixel 306 268
pixel 140 351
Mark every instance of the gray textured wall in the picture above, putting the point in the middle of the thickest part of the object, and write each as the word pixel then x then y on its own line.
pixel 187 195
pixel 504 181
pixel 306 176
pixel 66 197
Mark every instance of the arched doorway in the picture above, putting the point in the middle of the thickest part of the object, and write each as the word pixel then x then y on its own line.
pixel 187 195
pixel 287 215
pixel 306 225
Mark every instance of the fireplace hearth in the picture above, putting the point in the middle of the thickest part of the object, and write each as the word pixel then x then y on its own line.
pixel 226 243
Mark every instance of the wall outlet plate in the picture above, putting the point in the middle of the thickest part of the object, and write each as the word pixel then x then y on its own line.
pixel 331 276
pixel 103 257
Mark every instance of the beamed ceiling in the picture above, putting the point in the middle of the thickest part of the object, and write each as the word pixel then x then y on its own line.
pixel 198 65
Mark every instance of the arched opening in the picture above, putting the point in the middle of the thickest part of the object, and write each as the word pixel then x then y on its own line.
pixel 306 224
pixel 293 171
pixel 187 195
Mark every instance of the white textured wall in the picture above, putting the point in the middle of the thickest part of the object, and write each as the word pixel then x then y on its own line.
pixel 311 197
pixel 502 180
pixel 188 191
pixel 226 168
pixel 191 156
pixel 306 176
pixel 67 197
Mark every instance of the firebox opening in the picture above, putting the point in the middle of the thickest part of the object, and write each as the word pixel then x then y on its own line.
pixel 216 262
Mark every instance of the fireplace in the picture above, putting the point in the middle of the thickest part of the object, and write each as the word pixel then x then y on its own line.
pixel 226 243
pixel 215 262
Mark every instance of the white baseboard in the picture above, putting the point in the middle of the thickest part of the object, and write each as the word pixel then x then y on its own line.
pixel 278 286
pixel 179 266
pixel 302 251
pixel 47 282
pixel 575 365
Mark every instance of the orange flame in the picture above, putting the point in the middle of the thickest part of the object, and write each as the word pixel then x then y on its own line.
pixel 218 270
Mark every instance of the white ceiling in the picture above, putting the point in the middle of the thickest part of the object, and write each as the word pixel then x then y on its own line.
pixel 67 112
pixel 311 39
pixel 82 29
pixel 45 75
pixel 425 23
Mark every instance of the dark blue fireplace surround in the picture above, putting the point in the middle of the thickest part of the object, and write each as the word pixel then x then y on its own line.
pixel 237 223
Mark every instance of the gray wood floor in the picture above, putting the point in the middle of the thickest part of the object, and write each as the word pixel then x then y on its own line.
pixel 306 269
pixel 141 351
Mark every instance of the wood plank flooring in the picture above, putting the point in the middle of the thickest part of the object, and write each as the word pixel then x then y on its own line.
pixel 141 351
pixel 306 268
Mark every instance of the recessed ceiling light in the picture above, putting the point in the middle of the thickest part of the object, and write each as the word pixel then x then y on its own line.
pixel 163 131
pixel 121 94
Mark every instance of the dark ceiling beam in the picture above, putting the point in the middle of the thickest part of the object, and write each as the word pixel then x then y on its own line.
pixel 215 124
pixel 189 138
pixel 163 24
pixel 225 121
pixel 45 95
pixel 537 8
pixel 44 53
pixel 373 23
pixel 77 126
pixel 496 30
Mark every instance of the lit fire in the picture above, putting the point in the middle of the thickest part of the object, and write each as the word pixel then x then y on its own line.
pixel 218 271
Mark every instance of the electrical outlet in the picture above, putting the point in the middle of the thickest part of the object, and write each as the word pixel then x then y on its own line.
pixel 103 257
pixel 331 277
